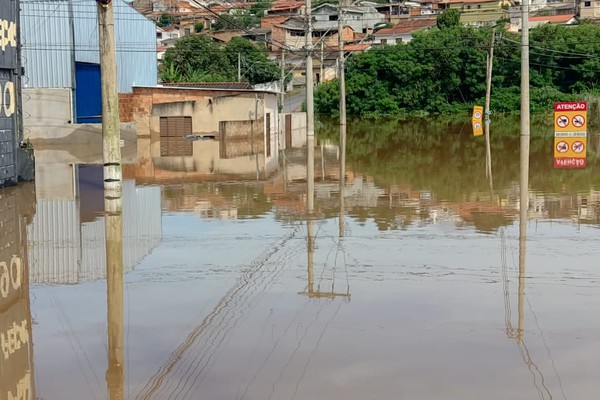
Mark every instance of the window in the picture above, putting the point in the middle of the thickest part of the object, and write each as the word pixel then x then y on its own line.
pixel 588 3
pixel 297 33
pixel 187 32
pixel 333 17
pixel 172 136
pixel 468 7
pixel 478 5
pixel 268 136
pixel 383 41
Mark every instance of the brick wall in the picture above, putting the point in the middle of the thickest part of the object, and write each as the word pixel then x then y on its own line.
pixel 126 107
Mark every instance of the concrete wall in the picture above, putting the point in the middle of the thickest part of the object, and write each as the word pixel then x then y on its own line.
pixel 47 114
pixel 298 129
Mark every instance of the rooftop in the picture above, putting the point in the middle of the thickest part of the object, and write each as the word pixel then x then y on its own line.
pixel 556 19
pixel 408 26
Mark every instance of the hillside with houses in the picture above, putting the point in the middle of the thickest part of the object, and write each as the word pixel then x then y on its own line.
pixel 278 27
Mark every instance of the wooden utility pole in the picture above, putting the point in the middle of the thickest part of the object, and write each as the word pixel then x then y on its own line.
pixel 239 69
pixel 310 113
pixel 111 136
pixel 342 83
pixel 488 93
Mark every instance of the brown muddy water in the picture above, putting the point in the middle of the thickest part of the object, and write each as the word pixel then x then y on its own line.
pixel 231 293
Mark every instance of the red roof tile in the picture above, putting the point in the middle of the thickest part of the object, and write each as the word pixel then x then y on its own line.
pixel 557 19
pixel 408 26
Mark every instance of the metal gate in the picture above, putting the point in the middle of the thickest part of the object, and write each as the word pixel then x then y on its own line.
pixel 8 91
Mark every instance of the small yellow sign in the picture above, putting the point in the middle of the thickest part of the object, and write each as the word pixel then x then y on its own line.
pixel 477 121
pixel 570 116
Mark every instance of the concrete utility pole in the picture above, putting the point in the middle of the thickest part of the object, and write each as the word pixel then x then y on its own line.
pixel 488 93
pixel 321 64
pixel 111 136
pixel 239 69
pixel 342 81
pixel 525 120
pixel 282 90
pixel 310 114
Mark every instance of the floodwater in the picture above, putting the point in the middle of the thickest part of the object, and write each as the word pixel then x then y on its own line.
pixel 424 291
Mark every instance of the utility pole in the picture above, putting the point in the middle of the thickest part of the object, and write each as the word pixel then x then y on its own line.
pixel 342 82
pixel 310 114
pixel 524 165
pixel 321 64
pixel 239 69
pixel 111 136
pixel 282 90
pixel 488 93
pixel 525 120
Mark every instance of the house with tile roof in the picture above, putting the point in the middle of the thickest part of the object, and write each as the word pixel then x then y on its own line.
pixel 403 31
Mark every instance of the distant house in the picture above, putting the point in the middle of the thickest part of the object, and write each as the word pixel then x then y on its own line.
pixel 291 34
pixel 403 31
pixel 534 21
pixel 478 12
pixel 195 130
pixel 359 18
pixel 589 9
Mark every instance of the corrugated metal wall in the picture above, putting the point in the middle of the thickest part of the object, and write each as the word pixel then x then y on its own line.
pixel 52 44
pixel 62 250
pixel 136 43
pixel 47 44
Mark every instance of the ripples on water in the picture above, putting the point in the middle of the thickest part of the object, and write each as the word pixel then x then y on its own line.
pixel 230 293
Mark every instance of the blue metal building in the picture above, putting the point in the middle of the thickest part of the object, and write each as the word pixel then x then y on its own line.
pixel 60 50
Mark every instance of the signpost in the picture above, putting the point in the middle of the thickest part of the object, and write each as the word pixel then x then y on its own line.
pixel 477 121
pixel 570 134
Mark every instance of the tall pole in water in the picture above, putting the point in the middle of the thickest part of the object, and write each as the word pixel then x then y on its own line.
pixel 310 114
pixel 342 83
pixel 524 165
pixel 111 136
pixel 488 95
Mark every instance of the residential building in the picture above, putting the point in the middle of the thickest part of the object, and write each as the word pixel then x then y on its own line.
pixel 478 12
pixel 589 9
pixel 291 34
pixel 361 19
pixel 204 130
pixel 61 86
pixel 403 31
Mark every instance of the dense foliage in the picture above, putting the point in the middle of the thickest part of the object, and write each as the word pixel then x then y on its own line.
pixel 198 58
pixel 443 71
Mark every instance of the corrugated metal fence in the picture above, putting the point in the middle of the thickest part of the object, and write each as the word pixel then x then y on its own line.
pixel 58 33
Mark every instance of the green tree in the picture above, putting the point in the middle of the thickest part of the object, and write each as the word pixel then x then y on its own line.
pixel 260 7
pixel 448 19
pixel 193 54
pixel 165 20
pixel 256 67
pixel 199 27
pixel 236 21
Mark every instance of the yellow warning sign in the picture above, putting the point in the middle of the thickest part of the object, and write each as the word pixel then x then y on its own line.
pixel 570 117
pixel 477 121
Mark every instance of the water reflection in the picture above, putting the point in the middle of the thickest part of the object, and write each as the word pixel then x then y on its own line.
pixel 114 296
pixel 17 206
pixel 209 304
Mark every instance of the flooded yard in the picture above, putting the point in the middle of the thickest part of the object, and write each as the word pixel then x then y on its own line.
pixel 418 287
